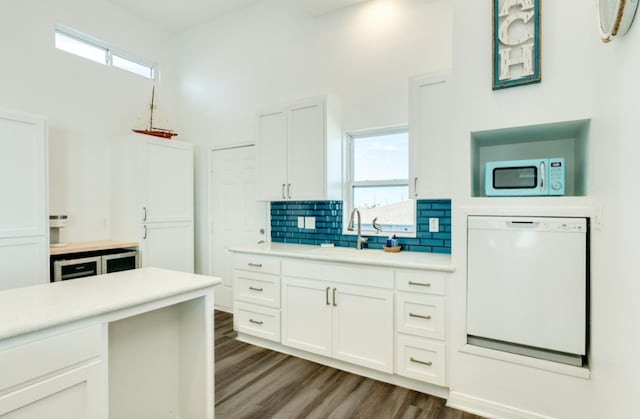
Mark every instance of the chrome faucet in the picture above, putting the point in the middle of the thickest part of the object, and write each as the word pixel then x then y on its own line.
pixel 361 240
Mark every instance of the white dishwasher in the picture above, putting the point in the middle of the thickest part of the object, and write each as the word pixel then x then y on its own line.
pixel 527 282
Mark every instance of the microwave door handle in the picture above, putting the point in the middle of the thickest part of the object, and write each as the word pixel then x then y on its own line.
pixel 542 175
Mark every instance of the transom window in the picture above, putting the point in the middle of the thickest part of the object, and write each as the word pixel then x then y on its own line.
pixel 379 180
pixel 85 46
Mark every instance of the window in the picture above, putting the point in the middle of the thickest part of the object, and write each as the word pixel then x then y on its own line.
pixel 85 46
pixel 378 180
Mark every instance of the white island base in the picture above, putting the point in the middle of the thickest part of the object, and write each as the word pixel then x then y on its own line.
pixel 135 344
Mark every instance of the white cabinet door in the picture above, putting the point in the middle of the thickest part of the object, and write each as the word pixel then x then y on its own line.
pixel 306 153
pixel 168 181
pixel 76 394
pixel 23 182
pixel 429 137
pixel 363 326
pixel 271 181
pixel 306 315
pixel 23 262
pixel 168 245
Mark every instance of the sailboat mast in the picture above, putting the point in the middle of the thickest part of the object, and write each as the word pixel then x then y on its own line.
pixel 153 93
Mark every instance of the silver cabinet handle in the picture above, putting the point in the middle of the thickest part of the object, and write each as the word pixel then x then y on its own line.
pixel 255 265
pixel 144 213
pixel 327 295
pixel 420 316
pixel 255 321
pixel 335 303
pixel 283 195
pixel 415 186
pixel 145 233
pixel 417 361
pixel 256 289
pixel 420 284
pixel 289 190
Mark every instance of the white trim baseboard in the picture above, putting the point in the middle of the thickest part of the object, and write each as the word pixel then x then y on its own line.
pixel 488 408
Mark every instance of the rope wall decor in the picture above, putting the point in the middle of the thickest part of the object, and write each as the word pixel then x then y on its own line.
pixel 615 17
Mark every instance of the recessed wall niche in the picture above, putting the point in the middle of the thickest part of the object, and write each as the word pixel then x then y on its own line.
pixel 567 139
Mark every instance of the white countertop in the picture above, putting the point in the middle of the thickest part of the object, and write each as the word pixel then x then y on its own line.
pixel 376 257
pixel 27 309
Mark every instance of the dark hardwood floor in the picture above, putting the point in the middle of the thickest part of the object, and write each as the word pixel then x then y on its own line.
pixel 252 382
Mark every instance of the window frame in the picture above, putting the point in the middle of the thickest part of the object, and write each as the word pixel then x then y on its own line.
pixel 350 137
pixel 110 52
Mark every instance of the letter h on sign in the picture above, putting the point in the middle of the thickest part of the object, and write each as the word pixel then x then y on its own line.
pixel 516 43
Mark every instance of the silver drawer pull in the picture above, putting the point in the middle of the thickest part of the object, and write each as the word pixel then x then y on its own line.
pixel 417 361
pixel 256 289
pixel 420 316
pixel 420 284
pixel 255 321
pixel 255 265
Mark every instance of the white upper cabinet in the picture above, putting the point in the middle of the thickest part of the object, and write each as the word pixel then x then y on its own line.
pixel 429 137
pixel 24 247
pixel 152 181
pixel 23 184
pixel 168 174
pixel 272 167
pixel 299 154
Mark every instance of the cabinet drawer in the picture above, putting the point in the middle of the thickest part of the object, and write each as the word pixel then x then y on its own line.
pixel 421 359
pixel 426 282
pixel 257 321
pixel 256 263
pixel 421 315
pixel 41 357
pixel 257 288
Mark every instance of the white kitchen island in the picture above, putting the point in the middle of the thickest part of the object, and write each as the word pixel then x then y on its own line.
pixel 133 344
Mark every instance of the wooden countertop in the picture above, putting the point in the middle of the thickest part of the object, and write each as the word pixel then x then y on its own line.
pixel 90 246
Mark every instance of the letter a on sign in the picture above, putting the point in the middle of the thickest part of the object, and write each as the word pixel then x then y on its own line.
pixel 516 43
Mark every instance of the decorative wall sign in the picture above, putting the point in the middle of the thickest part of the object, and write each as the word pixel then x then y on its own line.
pixel 516 43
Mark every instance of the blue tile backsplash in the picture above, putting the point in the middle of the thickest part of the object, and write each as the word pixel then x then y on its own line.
pixel 328 214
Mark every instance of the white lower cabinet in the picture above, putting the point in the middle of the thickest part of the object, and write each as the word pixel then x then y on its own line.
pixel 306 321
pixel 420 326
pixel 363 326
pixel 168 246
pixel 62 376
pixel 259 321
pixel 23 261
pixel 421 359
pixel 387 320
pixel 256 296
pixel 348 322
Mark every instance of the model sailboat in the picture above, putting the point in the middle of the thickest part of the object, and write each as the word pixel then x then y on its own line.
pixel 155 131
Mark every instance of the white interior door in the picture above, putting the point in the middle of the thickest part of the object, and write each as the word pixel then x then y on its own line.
pixel 236 217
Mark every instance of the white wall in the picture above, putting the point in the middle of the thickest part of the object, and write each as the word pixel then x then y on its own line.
pixel 274 52
pixel 616 290
pixel 85 103
pixel 581 78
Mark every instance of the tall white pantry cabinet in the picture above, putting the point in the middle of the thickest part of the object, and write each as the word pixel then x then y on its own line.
pixel 152 199
pixel 24 242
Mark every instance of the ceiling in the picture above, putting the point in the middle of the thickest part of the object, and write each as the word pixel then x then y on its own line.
pixel 177 16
